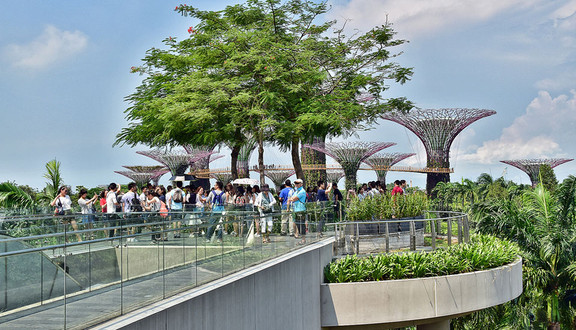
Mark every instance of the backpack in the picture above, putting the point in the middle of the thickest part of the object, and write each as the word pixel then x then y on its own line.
pixel 218 199
pixel 177 196
pixel 135 205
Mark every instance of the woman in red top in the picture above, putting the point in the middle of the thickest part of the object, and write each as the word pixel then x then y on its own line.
pixel 103 201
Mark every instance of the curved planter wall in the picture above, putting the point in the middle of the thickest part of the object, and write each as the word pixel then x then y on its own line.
pixel 418 301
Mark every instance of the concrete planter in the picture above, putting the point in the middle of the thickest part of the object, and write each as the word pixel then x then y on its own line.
pixel 400 303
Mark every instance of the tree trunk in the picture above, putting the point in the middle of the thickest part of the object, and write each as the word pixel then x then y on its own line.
pixel 234 161
pixel 261 158
pixel 296 158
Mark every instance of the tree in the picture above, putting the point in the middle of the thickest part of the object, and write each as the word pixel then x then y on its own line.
pixel 262 67
pixel 548 177
pixel 544 226
pixel 55 181
pixel 13 196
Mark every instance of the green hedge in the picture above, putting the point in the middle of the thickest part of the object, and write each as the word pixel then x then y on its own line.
pixel 385 206
pixel 483 252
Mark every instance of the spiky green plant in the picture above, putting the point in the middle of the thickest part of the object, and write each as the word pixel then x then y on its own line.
pixel 12 196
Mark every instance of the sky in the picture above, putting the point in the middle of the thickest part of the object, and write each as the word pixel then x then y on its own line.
pixel 65 68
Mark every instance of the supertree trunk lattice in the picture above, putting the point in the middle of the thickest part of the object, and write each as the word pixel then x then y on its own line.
pixel 350 155
pixel 437 129
pixel 381 163
pixel 532 166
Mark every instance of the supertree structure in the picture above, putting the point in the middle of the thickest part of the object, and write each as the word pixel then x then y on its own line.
pixel 333 175
pixel 222 177
pixel 176 161
pixel 204 163
pixel 350 155
pixel 144 174
pixel 381 163
pixel 278 176
pixel 437 129
pixel 532 166
pixel 141 178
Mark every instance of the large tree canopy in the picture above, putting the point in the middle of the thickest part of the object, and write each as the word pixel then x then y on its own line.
pixel 268 67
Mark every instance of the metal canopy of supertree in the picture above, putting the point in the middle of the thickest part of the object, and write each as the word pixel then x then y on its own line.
pixel 209 156
pixel 437 129
pixel 141 178
pixel 278 176
pixel 333 176
pixel 532 166
pixel 176 161
pixel 350 155
pixel 144 174
pixel 225 178
pixel 381 163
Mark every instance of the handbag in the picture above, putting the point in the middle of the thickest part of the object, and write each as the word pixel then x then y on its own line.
pixel 59 208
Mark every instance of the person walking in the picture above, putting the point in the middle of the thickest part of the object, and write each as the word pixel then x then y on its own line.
pixel 216 200
pixel 63 207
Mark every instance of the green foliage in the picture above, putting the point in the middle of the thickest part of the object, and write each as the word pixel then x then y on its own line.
pixel 386 206
pixel 483 252
pixel 547 177
pixel 13 196
pixel 55 181
pixel 264 66
pixel 543 224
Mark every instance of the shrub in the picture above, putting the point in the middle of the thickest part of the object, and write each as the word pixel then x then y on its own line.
pixel 386 206
pixel 483 252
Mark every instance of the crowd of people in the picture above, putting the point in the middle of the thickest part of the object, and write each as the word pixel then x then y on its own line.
pixel 219 201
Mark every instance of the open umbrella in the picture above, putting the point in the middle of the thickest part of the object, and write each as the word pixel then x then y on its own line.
pixel 246 181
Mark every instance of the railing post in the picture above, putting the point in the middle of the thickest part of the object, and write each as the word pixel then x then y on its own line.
pixel 433 233
pixel 466 229
pixel 357 243
pixel 412 236
pixel 387 231
pixel 439 223
pixel 460 239
pixel 449 234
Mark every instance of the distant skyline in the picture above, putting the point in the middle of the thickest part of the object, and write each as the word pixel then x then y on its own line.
pixel 66 70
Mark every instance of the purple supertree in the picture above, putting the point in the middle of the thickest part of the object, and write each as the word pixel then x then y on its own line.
pixel 532 166
pixel 437 129
pixel 381 163
pixel 350 155
pixel 202 165
pixel 333 175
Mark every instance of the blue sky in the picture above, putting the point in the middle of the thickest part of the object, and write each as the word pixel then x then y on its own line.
pixel 65 69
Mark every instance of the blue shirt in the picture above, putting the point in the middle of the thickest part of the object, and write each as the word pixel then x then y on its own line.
pixel 300 204
pixel 285 194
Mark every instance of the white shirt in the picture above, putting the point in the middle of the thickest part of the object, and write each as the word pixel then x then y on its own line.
pixel 111 202
pixel 85 205
pixel 65 201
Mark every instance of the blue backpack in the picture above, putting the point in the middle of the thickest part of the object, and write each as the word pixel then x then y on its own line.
pixel 217 201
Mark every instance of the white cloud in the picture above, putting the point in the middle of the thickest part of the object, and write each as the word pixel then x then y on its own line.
pixel 421 17
pixel 51 46
pixel 546 129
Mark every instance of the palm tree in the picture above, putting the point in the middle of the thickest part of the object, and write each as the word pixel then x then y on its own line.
pixel 54 182
pixel 12 196
pixel 544 225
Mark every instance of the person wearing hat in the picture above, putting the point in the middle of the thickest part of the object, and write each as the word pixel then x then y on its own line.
pixel 265 202
pixel 298 201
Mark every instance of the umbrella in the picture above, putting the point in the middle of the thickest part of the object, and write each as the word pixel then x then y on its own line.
pixel 246 181
pixel 185 177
